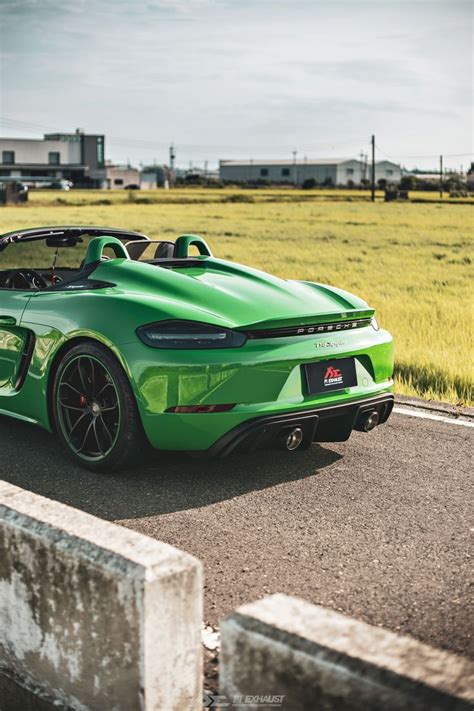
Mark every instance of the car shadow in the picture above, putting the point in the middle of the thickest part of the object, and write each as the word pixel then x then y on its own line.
pixel 164 483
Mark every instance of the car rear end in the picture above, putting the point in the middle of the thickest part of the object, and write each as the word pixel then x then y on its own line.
pixel 287 385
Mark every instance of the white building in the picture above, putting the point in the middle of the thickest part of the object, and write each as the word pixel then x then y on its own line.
pixel 121 177
pixel 78 157
pixel 332 171
pixel 386 170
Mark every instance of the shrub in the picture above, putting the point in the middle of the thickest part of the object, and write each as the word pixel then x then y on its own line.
pixel 408 182
pixel 239 198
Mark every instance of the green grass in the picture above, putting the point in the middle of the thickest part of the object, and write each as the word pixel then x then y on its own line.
pixel 412 262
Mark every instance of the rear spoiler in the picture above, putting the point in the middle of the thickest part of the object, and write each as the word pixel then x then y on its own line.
pixel 333 321
pixel 319 319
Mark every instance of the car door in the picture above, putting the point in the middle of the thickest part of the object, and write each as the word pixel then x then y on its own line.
pixel 14 339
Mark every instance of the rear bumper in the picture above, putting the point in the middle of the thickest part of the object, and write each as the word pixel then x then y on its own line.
pixel 332 423
pixel 265 378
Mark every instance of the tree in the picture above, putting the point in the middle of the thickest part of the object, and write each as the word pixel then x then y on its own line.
pixel 408 182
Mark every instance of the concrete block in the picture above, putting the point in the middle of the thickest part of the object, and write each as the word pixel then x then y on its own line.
pixel 319 659
pixel 93 615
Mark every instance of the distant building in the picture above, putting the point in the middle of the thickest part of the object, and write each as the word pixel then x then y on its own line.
pixel 148 180
pixel 331 171
pixel 154 176
pixel 426 176
pixel 386 170
pixel 78 157
pixel 121 177
pixel 196 173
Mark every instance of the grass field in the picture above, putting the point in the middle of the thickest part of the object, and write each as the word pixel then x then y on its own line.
pixel 412 262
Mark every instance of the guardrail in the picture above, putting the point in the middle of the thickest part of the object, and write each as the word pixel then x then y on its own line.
pixel 93 615
pixel 289 654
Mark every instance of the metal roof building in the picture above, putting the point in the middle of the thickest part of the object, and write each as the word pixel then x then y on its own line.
pixel 329 171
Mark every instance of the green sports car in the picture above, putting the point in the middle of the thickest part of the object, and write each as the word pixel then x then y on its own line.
pixel 124 340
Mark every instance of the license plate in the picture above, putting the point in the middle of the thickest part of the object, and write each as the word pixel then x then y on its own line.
pixel 330 375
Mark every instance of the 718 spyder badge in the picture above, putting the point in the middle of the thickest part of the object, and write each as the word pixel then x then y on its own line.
pixel 328 344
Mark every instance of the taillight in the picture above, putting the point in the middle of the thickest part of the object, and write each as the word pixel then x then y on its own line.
pixel 201 408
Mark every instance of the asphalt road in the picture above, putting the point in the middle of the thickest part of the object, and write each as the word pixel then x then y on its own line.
pixel 376 527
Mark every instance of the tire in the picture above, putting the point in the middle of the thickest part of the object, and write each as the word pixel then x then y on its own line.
pixel 95 411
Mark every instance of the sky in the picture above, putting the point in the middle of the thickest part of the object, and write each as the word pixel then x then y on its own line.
pixel 225 79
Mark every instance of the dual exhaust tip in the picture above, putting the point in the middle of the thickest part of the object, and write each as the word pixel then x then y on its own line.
pixel 291 438
pixel 368 420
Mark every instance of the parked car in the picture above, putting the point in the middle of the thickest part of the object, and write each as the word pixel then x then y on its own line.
pixel 62 185
pixel 144 342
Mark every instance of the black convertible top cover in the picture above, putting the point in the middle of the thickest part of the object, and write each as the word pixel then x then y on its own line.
pixel 37 233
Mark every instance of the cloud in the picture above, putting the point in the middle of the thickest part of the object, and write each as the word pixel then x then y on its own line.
pixel 366 71
pixel 242 72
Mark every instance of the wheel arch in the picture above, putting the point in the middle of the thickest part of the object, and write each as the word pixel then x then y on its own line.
pixel 59 355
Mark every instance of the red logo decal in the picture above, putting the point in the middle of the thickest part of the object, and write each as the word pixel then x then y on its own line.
pixel 332 373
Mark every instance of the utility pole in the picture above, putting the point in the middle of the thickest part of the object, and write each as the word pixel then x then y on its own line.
pixel 363 159
pixel 294 167
pixel 172 159
pixel 441 176
pixel 372 176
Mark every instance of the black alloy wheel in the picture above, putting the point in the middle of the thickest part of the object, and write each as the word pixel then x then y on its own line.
pixel 95 411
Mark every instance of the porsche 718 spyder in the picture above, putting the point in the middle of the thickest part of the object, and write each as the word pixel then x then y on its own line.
pixel 159 341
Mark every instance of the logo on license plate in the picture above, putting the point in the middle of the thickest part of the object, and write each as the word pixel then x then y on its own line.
pixel 332 376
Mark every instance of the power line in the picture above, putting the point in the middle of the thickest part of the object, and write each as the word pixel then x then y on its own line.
pixel 425 155
pixel 126 142
pixel 150 143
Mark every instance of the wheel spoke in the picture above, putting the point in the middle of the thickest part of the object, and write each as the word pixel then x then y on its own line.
pixel 71 407
pixel 91 363
pixel 106 428
pixel 94 427
pixel 89 427
pixel 88 407
pixel 76 423
pixel 83 378
pixel 68 385
pixel 107 385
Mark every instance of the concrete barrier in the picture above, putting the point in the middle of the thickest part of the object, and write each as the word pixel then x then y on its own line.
pixel 324 661
pixel 95 616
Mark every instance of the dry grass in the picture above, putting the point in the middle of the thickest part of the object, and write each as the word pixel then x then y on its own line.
pixel 412 262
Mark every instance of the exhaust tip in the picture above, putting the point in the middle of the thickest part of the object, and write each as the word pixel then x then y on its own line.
pixel 370 420
pixel 293 439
